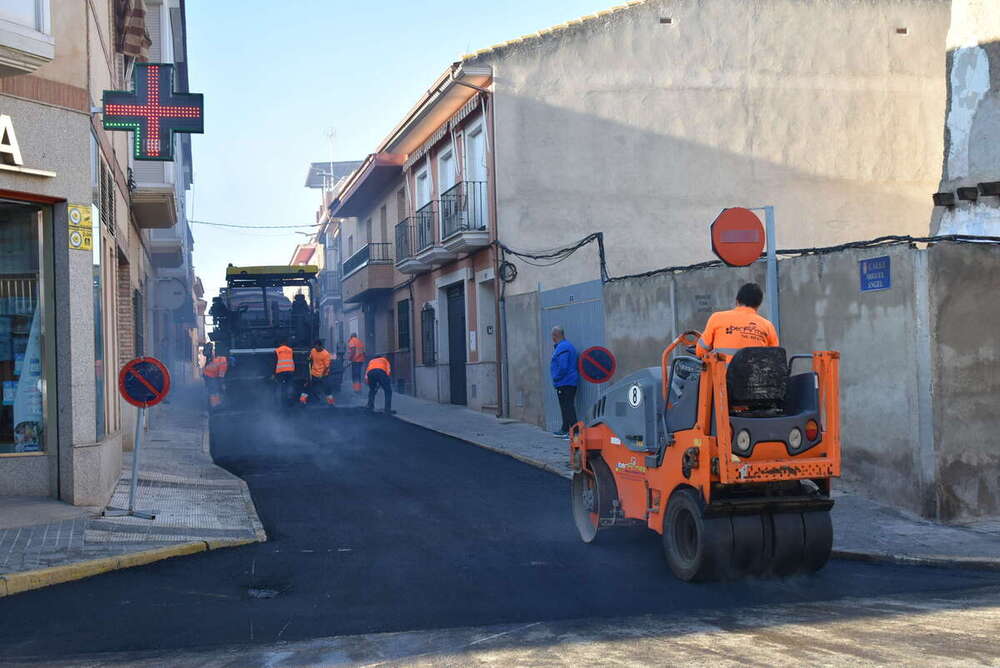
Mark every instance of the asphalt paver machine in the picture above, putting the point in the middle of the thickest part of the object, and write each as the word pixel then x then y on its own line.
pixel 730 460
pixel 258 309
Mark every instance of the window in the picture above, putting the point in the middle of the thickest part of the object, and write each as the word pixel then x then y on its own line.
pixel 138 323
pixel 368 231
pixel 383 223
pixel 446 171
pixel 25 36
pixel 350 245
pixel 427 335
pixel 403 325
pixel 401 205
pixel 22 330
pixel 423 188
pixel 31 14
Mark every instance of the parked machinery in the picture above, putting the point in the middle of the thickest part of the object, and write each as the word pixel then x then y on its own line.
pixel 732 464
pixel 252 315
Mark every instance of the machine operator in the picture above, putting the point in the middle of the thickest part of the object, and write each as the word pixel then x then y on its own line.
pixel 741 327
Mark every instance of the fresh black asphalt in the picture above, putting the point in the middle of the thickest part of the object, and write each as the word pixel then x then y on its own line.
pixel 377 525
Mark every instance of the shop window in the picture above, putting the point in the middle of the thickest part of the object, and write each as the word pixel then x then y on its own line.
pixel 22 330
pixel 427 335
pixel 403 325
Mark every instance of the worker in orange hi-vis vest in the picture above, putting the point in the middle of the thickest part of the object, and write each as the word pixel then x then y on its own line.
pixel 742 327
pixel 378 375
pixel 284 371
pixel 319 374
pixel 356 356
pixel 215 371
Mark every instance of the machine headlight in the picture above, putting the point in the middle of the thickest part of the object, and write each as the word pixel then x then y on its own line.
pixel 742 441
pixel 795 439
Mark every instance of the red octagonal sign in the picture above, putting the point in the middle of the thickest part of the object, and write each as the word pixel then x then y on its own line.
pixel 738 237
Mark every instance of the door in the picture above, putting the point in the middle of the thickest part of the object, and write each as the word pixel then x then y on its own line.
pixel 579 310
pixel 370 331
pixel 475 176
pixel 456 342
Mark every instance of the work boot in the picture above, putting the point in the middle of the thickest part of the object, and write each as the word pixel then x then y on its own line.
pixel 303 398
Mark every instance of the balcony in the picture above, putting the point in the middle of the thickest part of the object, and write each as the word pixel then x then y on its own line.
pixel 166 248
pixel 368 273
pixel 26 41
pixel 406 249
pixel 154 200
pixel 463 217
pixel 428 249
pixel 329 286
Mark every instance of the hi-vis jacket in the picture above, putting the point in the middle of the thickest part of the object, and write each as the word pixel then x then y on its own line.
pixel 379 363
pixel 355 349
pixel 217 367
pixel 729 331
pixel 286 360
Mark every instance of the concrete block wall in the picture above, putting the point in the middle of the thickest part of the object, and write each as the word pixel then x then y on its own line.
pixel 920 362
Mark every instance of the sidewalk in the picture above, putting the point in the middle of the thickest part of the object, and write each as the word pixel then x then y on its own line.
pixel 198 507
pixel 863 529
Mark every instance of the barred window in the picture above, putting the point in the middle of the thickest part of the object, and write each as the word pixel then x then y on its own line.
pixel 427 334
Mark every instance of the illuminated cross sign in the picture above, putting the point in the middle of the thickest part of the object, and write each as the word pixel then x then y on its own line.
pixel 153 111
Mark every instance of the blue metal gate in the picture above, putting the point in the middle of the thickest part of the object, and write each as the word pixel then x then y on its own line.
pixel 579 310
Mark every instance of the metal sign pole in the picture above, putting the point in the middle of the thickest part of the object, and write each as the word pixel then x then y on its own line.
pixel 773 304
pixel 133 483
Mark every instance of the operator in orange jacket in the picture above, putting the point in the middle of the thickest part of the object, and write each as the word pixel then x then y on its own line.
pixel 214 372
pixel 378 375
pixel 741 327
pixel 319 374
pixel 356 356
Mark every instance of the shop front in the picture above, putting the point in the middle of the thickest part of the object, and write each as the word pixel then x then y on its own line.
pixel 52 440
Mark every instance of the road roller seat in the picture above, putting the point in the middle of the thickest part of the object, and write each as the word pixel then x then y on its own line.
pixel 757 379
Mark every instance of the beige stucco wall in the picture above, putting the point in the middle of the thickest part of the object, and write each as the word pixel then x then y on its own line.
pixel 972 151
pixel 646 130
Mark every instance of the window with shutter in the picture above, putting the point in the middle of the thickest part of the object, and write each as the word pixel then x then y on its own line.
pixel 427 334
pixel 403 325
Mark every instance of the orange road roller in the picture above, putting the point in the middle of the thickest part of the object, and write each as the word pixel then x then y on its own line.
pixel 730 460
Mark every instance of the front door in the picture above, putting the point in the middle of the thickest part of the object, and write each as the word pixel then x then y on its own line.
pixel 456 342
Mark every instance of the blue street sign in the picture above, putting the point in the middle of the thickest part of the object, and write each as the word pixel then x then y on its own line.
pixel 876 274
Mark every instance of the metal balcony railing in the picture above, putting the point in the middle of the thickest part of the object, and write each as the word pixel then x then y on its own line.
pixel 424 222
pixel 329 284
pixel 463 208
pixel 405 240
pixel 374 253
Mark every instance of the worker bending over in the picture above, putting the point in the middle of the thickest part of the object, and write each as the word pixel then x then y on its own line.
pixel 356 356
pixel 379 375
pixel 741 327
pixel 284 371
pixel 319 374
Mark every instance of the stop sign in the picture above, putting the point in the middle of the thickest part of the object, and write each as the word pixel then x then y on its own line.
pixel 738 237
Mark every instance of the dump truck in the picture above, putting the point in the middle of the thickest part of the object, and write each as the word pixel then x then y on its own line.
pixel 730 460
pixel 259 308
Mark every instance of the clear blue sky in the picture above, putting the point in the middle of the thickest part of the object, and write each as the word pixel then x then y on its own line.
pixel 278 76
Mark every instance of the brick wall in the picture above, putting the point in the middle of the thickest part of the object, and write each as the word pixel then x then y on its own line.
pixel 126 324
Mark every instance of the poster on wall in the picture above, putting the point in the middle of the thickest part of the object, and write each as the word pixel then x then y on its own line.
pixel 28 397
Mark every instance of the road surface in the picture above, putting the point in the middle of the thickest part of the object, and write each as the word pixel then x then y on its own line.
pixel 378 526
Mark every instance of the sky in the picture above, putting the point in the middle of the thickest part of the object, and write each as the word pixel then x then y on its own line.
pixel 278 77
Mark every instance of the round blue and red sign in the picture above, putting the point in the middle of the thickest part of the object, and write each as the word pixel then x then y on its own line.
pixel 597 364
pixel 144 382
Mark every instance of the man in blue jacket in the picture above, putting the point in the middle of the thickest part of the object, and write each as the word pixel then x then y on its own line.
pixel 565 378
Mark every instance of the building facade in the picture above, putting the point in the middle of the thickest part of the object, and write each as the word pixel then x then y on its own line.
pixel 418 235
pixel 642 122
pixel 78 274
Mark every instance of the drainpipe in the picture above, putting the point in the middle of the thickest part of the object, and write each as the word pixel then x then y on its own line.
pixel 413 347
pixel 500 304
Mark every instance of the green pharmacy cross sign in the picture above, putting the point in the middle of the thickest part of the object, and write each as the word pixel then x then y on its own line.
pixel 153 111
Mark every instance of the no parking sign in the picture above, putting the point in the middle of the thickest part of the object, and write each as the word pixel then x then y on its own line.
pixel 144 382
pixel 597 364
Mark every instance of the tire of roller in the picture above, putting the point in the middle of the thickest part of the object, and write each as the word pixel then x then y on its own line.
pixel 749 545
pixel 818 539
pixel 606 491
pixel 710 552
pixel 788 548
